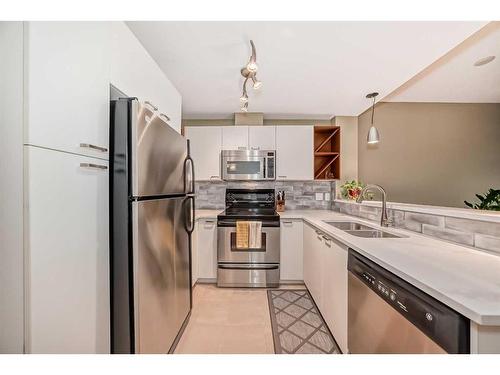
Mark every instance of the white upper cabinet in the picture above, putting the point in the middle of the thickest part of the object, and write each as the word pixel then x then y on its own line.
pixel 67 86
pixel 135 73
pixel 262 137
pixel 294 153
pixel 206 144
pixel 235 137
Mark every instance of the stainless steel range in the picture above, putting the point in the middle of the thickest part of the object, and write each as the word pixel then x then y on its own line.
pixel 252 267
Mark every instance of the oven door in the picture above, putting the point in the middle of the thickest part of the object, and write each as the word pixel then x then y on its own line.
pixel 227 252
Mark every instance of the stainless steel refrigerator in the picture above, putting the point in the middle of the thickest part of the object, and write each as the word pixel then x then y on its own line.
pixel 151 220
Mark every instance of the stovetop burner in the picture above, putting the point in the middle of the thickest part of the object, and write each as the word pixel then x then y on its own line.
pixel 249 213
pixel 250 204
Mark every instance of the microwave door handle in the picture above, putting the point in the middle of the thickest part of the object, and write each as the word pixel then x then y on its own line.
pixel 264 167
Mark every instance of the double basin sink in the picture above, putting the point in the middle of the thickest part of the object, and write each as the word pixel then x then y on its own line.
pixel 361 230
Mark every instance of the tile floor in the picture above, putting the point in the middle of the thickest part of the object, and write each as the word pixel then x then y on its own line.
pixel 228 321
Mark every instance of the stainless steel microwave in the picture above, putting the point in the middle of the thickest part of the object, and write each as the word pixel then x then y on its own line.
pixel 244 165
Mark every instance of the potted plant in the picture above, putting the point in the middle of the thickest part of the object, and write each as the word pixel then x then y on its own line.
pixel 351 189
pixel 490 201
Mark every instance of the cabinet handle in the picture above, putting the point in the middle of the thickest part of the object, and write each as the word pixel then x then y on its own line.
pixel 242 148
pixel 94 166
pixel 151 105
pixel 165 116
pixel 210 221
pixel 94 147
pixel 287 222
pixel 281 176
pixel 319 234
pixel 214 178
pixel 255 148
pixel 327 241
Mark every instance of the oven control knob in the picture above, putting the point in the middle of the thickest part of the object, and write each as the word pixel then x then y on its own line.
pixel 393 297
pixel 429 317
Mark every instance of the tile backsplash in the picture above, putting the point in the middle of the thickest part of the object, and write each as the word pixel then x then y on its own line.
pixel 298 194
pixel 482 235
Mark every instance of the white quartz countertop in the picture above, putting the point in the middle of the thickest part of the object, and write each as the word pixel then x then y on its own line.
pixel 206 214
pixel 467 280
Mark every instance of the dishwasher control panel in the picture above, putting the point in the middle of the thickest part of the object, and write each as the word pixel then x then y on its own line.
pixel 438 321
pixel 383 289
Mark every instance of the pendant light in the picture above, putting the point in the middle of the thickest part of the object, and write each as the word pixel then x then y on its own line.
pixel 373 135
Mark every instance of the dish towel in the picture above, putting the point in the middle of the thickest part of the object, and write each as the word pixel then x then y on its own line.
pixel 242 230
pixel 255 235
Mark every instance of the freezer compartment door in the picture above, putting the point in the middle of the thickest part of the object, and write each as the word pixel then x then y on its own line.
pixel 162 298
pixel 158 154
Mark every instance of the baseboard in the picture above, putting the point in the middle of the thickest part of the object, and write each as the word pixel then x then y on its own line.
pixel 292 282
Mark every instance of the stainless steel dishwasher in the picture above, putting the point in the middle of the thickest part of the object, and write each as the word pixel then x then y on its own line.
pixel 388 315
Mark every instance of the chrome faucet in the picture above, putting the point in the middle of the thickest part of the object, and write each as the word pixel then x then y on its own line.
pixel 384 219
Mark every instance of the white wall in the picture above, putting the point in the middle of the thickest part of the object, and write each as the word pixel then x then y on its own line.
pixel 11 189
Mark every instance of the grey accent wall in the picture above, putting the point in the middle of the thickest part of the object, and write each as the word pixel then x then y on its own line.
pixel 479 234
pixel 298 194
pixel 436 154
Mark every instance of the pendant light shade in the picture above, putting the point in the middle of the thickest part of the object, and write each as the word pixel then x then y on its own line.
pixel 373 134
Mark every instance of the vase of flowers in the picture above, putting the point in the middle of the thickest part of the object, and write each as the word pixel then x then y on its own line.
pixel 351 189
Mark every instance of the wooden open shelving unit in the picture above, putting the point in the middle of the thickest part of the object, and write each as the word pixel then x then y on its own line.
pixel 326 152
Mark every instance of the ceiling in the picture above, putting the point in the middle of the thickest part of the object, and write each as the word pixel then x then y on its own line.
pixel 308 69
pixel 454 78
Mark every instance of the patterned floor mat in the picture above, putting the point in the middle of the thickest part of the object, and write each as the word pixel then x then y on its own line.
pixel 298 328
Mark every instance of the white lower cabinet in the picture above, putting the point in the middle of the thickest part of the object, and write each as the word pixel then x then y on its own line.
pixel 67 253
pixel 207 249
pixel 325 275
pixel 334 290
pixel 313 249
pixel 291 250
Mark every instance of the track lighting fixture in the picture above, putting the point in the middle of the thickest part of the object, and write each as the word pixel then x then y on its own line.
pixel 249 72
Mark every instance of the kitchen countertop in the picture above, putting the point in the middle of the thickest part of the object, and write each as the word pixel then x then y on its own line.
pixel 206 214
pixel 467 280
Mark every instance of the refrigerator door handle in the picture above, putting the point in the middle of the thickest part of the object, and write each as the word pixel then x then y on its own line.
pixel 190 189
pixel 189 223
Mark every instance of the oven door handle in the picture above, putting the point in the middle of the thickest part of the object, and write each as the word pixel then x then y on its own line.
pixel 249 266
pixel 232 224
